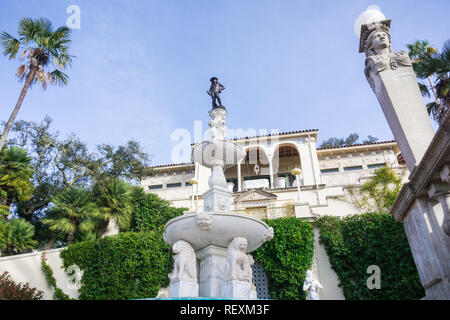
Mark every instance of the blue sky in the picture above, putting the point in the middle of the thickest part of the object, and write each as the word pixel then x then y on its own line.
pixel 142 68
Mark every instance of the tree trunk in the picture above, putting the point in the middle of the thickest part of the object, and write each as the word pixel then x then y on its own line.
pixel 50 243
pixel 8 126
pixel 102 229
pixel 70 237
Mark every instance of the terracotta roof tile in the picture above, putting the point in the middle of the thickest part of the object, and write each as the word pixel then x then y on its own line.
pixel 357 145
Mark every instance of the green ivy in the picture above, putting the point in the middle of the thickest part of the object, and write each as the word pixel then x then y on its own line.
pixel 150 211
pixel 356 242
pixel 125 266
pixel 78 253
pixel 287 257
pixel 48 272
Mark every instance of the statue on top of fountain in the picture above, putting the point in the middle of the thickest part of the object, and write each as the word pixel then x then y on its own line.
pixel 214 91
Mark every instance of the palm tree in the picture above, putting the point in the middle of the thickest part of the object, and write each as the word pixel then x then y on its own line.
pixel 43 48
pixel 434 66
pixel 73 211
pixel 15 176
pixel 114 201
pixel 16 235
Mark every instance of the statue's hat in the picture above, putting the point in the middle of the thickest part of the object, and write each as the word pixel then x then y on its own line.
pixel 213 78
pixel 367 29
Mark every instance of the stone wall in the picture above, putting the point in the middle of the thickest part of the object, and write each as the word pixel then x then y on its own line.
pixel 27 268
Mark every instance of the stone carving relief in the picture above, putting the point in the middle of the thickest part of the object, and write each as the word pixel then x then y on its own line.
pixel 204 220
pixel 269 234
pixel 329 164
pixel 217 124
pixel 185 264
pixel 239 264
pixel 222 204
pixel 255 195
pixel 312 286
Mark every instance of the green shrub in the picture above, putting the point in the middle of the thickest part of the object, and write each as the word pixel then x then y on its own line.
pixel 287 257
pixel 150 211
pixel 16 236
pixel 356 242
pixel 125 266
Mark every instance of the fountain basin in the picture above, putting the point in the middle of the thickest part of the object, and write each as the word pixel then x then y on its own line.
pixel 217 228
pixel 209 153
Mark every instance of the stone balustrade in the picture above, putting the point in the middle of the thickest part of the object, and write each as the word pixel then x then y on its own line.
pixel 423 206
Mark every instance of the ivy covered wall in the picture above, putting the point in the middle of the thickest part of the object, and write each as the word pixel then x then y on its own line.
pixel 125 266
pixel 287 257
pixel 356 242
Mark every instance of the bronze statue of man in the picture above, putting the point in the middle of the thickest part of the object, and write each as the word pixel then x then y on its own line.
pixel 214 91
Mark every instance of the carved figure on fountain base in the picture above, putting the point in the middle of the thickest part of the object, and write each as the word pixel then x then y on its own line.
pixel 183 282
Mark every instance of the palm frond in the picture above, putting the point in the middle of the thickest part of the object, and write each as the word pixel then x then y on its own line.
pixel 59 77
pixel 27 30
pixel 41 78
pixel 61 35
pixel 22 71
pixel 87 226
pixel 36 30
pixel 10 45
pixel 62 225
pixel 432 107
pixel 424 90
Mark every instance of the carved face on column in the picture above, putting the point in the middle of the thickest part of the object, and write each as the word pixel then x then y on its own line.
pixel 379 41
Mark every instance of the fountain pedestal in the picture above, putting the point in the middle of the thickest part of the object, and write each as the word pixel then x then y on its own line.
pixel 183 289
pixel 238 289
pixel 211 233
pixel 217 199
pixel 212 268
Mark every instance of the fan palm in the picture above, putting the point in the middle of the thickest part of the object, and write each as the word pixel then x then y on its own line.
pixel 73 211
pixel 114 202
pixel 44 49
pixel 15 175
pixel 430 64
pixel 16 235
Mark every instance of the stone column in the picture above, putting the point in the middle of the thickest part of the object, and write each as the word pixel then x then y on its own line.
pixel 239 176
pixel 427 262
pixel 441 192
pixel 196 198
pixel 297 176
pixel 439 240
pixel 193 198
pixel 393 81
pixel 212 269
pixel 271 175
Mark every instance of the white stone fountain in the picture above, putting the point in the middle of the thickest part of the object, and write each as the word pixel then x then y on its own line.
pixel 220 239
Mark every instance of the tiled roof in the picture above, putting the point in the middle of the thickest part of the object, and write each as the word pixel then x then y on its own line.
pixel 277 134
pixel 271 135
pixel 357 145
pixel 172 165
